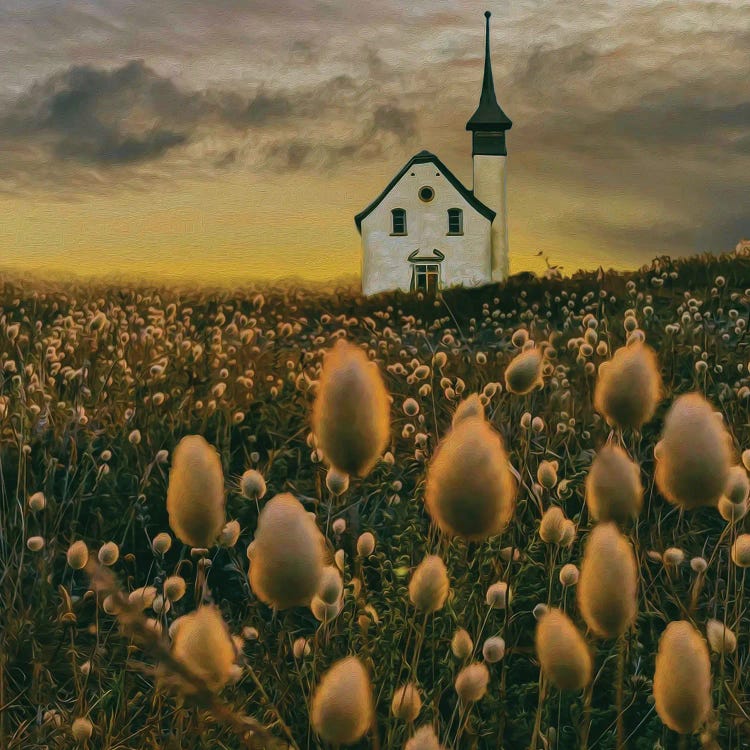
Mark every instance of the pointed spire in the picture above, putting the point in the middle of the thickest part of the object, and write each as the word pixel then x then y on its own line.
pixel 488 115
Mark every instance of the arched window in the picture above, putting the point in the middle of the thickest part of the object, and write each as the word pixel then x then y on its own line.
pixel 398 221
pixel 455 221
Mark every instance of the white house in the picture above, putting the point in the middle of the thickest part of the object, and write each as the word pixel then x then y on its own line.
pixel 426 230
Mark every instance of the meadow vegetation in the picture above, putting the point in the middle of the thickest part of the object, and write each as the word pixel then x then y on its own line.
pixel 508 517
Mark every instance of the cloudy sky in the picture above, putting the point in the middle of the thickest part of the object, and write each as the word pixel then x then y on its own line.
pixel 236 139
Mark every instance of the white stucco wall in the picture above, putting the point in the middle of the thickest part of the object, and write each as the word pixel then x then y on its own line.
pixel 490 188
pixel 384 257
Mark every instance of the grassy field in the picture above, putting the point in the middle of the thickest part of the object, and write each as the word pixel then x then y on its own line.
pixel 98 385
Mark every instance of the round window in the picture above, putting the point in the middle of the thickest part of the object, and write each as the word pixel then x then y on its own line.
pixel 426 194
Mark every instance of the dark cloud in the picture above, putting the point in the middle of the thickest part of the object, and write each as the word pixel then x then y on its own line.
pixel 133 115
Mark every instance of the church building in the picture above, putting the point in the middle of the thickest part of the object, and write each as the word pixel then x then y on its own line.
pixel 426 231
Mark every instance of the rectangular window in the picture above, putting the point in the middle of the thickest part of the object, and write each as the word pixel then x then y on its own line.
pixel 398 225
pixel 455 221
pixel 427 277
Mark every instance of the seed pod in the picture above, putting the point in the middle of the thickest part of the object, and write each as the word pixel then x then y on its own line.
pixel 721 639
pixel 562 652
pixel 470 491
pixel 608 583
pixel 203 644
pixel 469 407
pixel 287 555
pixel 230 534
pixel 471 683
pixel 629 386
pixel 461 644
pixel 342 706
pixel 550 527
pixel 613 486
pixel 195 494
pixel 351 414
pixel 498 595
pixel 406 703
pixel 78 555
pixel 424 739
pixel 682 678
pixel 524 373
pixel 429 585
pixel 693 460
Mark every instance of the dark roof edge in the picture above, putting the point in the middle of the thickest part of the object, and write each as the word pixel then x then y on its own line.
pixel 422 158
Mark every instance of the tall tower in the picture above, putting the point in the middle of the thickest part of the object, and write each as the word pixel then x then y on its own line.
pixel 489 155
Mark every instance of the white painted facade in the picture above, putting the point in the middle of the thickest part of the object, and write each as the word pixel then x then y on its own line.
pixel 385 256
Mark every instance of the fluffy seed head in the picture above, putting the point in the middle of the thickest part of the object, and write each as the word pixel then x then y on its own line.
pixel 195 494
pixel 741 551
pixel 569 575
pixel 730 511
pixel 161 543
pixel 498 595
pixel 682 678
pixel 424 739
pixel 721 639
pixel 81 729
pixel 693 461
pixel 337 481
pixel 562 652
pixel 613 486
pixel 471 683
pixel 524 373
pixel 738 485
pixel 547 474
pixel 342 705
pixel 286 560
pixel 461 644
pixel 351 414
pixel 331 586
pixel 109 553
pixel 406 703
pixel 673 556
pixel 608 583
pixel 429 585
pixel 203 644
pixel 37 501
pixel 629 386
pixel 35 543
pixel 252 485
pixel 174 588
pixel 230 534
pixel 470 491
pixel 366 544
pixel 493 649
pixel 78 555
pixel 469 407
pixel 550 527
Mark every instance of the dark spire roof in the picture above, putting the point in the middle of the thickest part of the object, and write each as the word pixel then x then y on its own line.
pixel 421 158
pixel 488 115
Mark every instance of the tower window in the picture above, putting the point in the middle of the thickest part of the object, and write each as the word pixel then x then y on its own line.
pixel 455 221
pixel 398 221
pixel 426 277
pixel 426 194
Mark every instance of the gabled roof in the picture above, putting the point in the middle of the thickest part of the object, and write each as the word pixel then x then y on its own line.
pixel 424 157
pixel 488 115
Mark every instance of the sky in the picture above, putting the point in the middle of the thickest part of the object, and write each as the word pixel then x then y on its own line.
pixel 236 140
